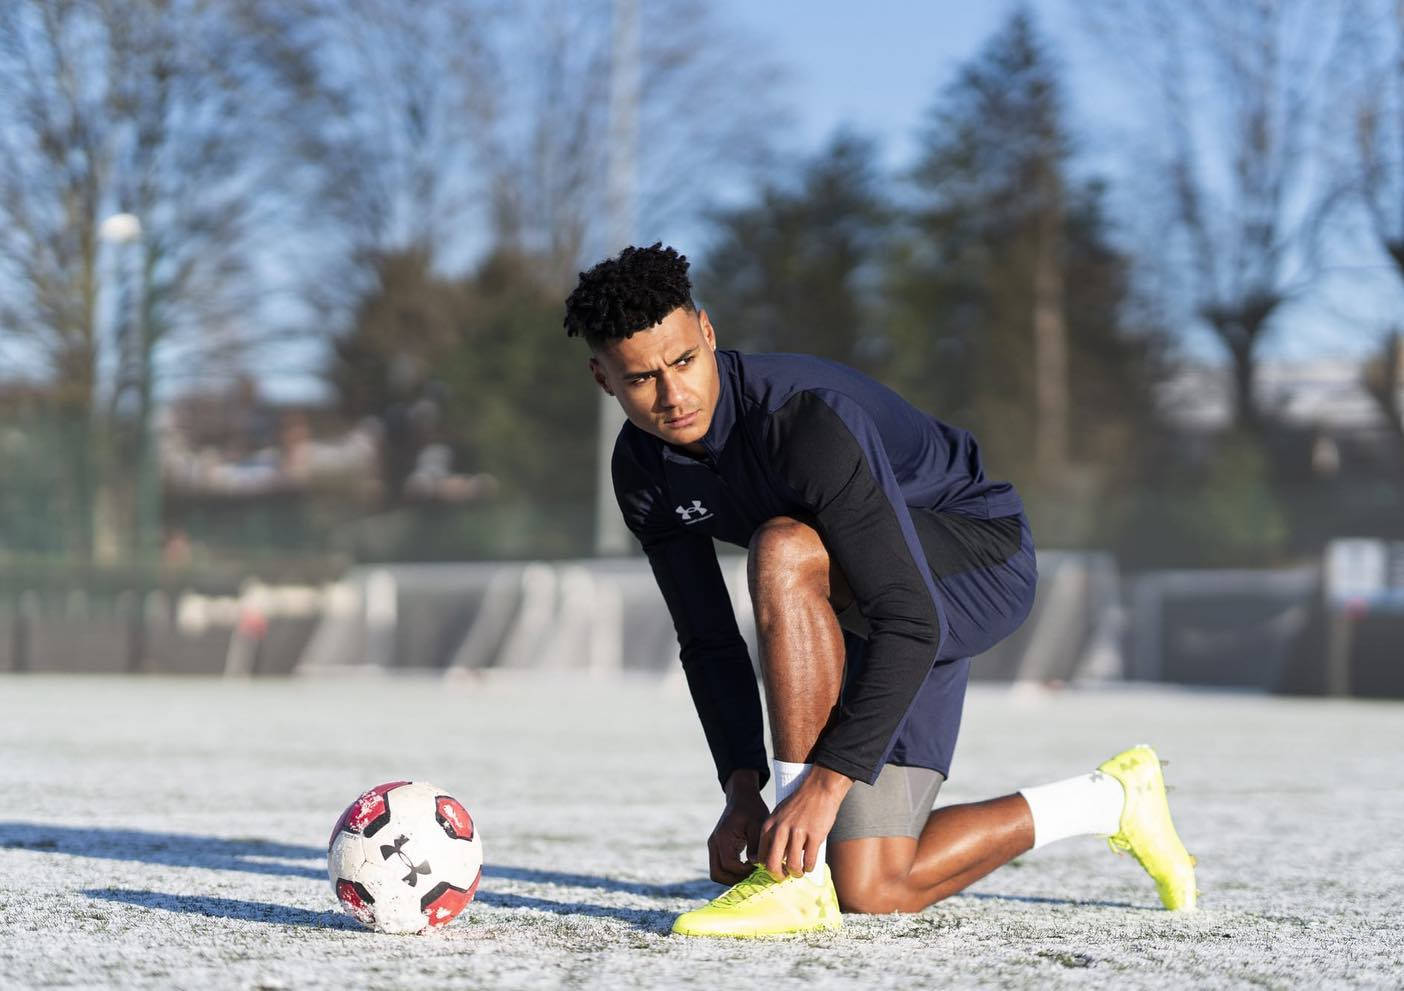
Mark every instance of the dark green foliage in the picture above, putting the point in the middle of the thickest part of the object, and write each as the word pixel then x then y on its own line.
pixel 36 516
pixel 962 286
pixel 478 364
pixel 1223 512
pixel 522 399
pixel 796 270
pixel 994 180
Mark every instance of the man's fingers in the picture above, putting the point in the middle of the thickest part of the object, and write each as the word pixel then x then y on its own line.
pixel 725 866
pixel 730 860
pixel 811 856
pixel 714 860
pixel 795 854
pixel 753 835
pixel 778 840
pixel 761 854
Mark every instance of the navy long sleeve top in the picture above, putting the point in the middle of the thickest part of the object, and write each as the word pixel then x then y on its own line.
pixel 794 434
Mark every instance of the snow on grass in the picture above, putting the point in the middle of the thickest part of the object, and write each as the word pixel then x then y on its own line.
pixel 160 833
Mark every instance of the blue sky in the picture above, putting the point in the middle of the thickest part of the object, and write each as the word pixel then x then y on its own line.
pixel 879 66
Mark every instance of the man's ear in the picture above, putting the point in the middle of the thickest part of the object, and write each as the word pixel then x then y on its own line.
pixel 597 370
pixel 708 334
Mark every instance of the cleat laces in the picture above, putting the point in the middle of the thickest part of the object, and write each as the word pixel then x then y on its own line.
pixel 758 881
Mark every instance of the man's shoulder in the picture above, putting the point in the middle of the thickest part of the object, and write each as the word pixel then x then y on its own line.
pixel 788 392
pixel 778 375
pixel 770 380
pixel 807 427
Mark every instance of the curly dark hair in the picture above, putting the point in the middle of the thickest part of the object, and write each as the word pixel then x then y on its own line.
pixel 621 296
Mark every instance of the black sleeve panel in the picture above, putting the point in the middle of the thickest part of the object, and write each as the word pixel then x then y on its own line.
pixel 714 655
pixel 828 451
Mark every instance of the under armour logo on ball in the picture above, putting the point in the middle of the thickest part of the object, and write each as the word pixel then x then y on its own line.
pixel 397 850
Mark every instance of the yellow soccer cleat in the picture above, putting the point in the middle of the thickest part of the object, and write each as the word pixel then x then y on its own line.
pixel 763 905
pixel 1146 830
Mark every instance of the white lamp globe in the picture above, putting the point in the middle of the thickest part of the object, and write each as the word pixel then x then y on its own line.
pixel 120 228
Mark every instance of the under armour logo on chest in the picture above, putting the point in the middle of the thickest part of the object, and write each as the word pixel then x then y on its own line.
pixel 695 513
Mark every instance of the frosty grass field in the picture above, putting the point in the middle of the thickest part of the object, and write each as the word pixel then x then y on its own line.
pixel 164 833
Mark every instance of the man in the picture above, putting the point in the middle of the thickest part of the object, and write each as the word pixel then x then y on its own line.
pixel 880 560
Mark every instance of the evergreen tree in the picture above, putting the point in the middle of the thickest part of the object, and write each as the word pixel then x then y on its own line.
pixel 477 363
pixel 1008 297
pixel 796 270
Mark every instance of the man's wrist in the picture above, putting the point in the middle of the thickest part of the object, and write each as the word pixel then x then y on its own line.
pixel 829 780
pixel 742 781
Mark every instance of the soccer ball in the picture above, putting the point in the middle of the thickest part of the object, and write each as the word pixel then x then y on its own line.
pixel 404 856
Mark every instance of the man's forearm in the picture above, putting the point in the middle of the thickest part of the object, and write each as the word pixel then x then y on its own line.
pixel 829 781
pixel 743 780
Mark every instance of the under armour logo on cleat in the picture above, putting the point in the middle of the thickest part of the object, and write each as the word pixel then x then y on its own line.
pixel 397 850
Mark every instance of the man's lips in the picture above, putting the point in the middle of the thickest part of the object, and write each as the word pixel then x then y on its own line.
pixel 682 421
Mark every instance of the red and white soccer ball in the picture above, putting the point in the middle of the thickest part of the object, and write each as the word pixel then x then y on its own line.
pixel 404 857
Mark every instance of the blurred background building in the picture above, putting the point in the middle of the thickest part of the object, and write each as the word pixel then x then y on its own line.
pixel 281 293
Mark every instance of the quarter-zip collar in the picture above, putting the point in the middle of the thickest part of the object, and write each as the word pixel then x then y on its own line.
pixel 724 417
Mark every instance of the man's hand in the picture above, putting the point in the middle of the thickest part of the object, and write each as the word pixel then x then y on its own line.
pixel 790 838
pixel 738 829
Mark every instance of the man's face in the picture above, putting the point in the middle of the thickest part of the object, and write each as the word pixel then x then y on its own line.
pixel 665 377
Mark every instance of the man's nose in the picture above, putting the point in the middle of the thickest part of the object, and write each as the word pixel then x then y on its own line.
pixel 668 391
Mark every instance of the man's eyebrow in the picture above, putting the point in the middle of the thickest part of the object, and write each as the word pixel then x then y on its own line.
pixel 646 374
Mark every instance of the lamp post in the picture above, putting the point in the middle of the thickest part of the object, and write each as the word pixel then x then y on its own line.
pixel 611 535
pixel 124 231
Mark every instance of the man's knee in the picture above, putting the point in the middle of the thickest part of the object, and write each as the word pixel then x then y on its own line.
pixel 873 895
pixel 873 875
pixel 786 555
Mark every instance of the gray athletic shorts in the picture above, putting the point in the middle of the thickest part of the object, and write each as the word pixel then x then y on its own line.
pixel 896 806
pixel 902 798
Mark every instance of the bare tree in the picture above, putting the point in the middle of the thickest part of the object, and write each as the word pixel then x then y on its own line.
pixel 1236 90
pixel 993 191
pixel 707 115
pixel 1377 91
pixel 409 81
pixel 184 113
pixel 1379 124
pixel 476 126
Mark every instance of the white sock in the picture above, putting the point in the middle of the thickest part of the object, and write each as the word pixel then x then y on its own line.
pixel 787 778
pixel 1087 805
